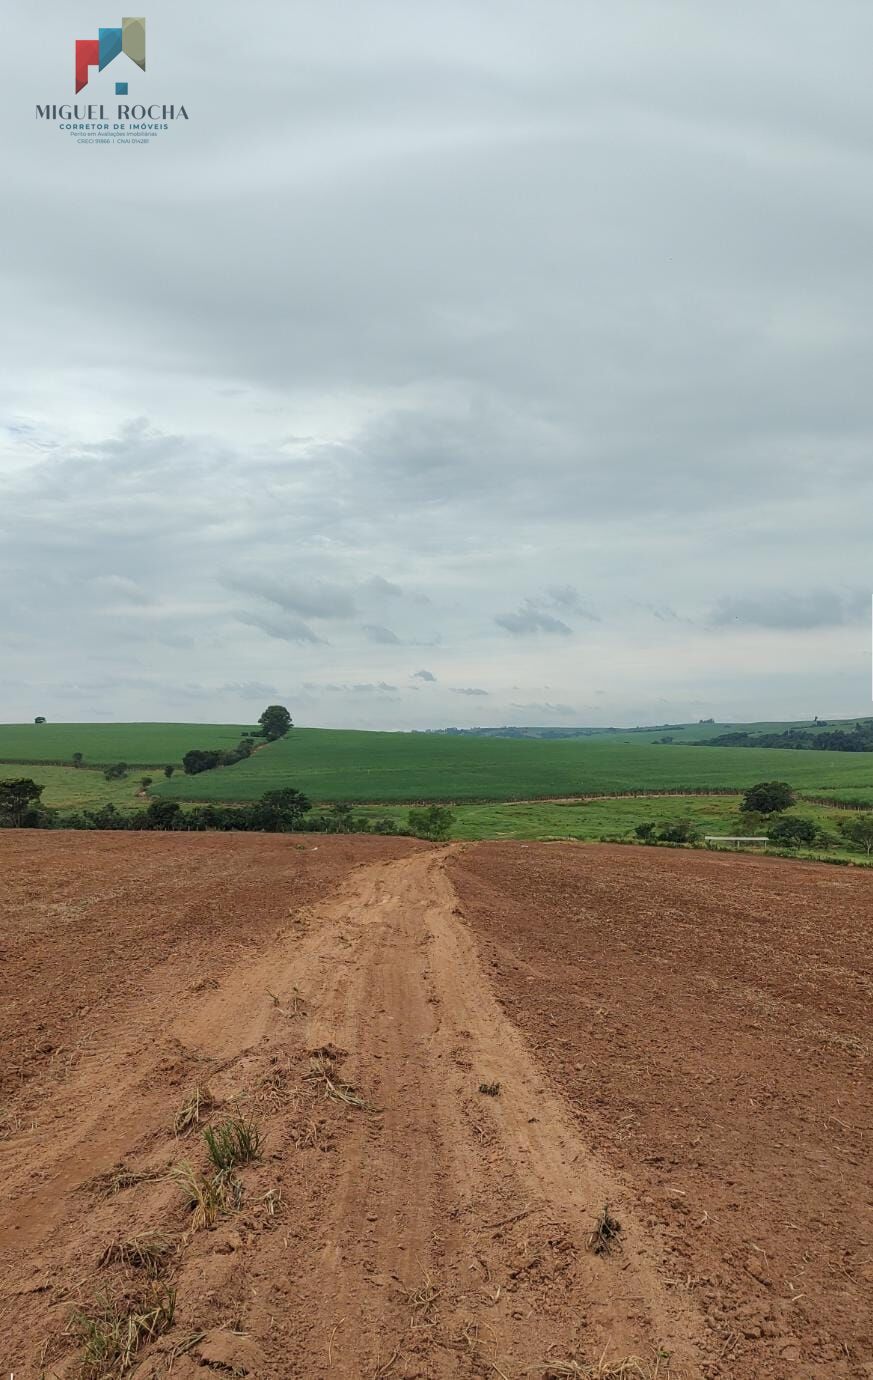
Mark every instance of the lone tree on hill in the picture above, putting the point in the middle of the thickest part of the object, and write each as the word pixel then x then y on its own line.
pixel 275 722
pixel 768 797
pixel 77 759
pixel 168 771
pixel 39 719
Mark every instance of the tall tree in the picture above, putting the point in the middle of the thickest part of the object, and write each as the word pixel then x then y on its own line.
pixel 17 799
pixel 275 722
pixel 768 797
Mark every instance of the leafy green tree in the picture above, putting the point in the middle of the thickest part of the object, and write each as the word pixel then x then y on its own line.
pixel 117 772
pixel 859 831
pixel 646 832
pixel 77 759
pixel 18 799
pixel 275 722
pixel 168 771
pixel 280 811
pixel 198 760
pixel 768 797
pixel 435 822
pixel 39 719
pixel 162 814
pixel 145 782
pixel 793 832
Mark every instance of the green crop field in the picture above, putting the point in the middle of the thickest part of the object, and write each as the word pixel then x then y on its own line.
pixel 334 765
pixel 140 745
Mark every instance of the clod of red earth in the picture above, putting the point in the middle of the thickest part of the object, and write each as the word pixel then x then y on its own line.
pixel 700 1066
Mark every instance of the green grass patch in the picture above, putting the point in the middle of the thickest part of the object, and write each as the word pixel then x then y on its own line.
pixel 612 818
pixel 68 788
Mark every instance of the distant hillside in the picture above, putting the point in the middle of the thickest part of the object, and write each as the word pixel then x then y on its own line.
pixel 764 734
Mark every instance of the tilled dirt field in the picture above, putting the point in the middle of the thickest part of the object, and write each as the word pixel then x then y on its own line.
pixel 682 1036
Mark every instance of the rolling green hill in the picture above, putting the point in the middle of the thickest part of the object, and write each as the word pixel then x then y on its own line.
pixel 331 765
pixel 140 745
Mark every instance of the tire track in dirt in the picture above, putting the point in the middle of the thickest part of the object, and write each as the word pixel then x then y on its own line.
pixel 454 1240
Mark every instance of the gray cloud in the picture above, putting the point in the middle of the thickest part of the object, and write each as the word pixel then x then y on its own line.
pixel 530 619
pixel 285 628
pixel 319 599
pixel 384 636
pixel 424 675
pixel 782 609
pixel 467 690
pixel 381 588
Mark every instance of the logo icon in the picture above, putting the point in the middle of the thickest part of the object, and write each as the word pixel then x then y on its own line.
pixel 99 52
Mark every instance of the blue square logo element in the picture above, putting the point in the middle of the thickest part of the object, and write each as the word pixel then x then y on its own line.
pixel 121 88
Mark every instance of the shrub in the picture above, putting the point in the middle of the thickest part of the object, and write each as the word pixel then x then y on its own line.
pixel 434 823
pixel 677 831
pixel 793 832
pixel 162 814
pixel 118 772
pixel 646 832
pixel 280 811
pixel 859 831
pixel 198 760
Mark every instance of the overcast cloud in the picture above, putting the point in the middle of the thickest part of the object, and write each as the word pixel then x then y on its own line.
pixel 532 341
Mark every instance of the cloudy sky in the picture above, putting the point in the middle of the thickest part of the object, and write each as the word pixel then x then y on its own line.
pixel 469 363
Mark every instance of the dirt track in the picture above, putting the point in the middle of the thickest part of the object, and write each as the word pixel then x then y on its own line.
pixel 439 1231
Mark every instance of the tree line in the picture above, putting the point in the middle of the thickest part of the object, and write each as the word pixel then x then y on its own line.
pixel 282 811
pixel 859 738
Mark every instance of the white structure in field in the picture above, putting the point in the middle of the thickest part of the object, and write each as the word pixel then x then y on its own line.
pixel 735 839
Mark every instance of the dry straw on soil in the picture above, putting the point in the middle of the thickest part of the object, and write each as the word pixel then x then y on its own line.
pixel 113 1330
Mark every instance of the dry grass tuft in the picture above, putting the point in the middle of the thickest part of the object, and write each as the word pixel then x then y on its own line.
pixel 323 1069
pixel 206 1197
pixel 197 1105
pixel 116 1180
pixel 631 1368
pixel 490 1089
pixel 272 1201
pixel 307 1136
pixel 605 1233
pixel 386 1367
pixel 150 1252
pixel 422 1298
pixel 113 1330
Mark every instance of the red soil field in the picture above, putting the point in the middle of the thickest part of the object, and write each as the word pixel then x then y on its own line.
pixel 683 1036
